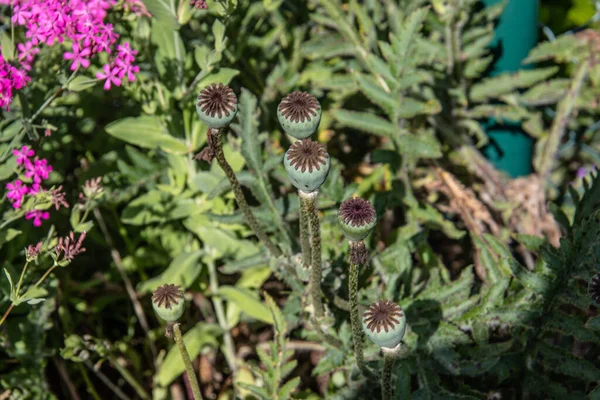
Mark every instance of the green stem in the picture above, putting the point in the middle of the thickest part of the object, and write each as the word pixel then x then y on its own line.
pixel 309 201
pixel 217 147
pixel 304 234
pixel 21 279
pixel 88 383
pixel 130 379
pixel 565 109
pixel 115 389
pixel 12 305
pixel 42 279
pixel 389 357
pixel 187 362
pixel 357 333
pixel 221 319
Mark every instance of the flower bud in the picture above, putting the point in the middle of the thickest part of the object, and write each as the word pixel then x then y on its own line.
pixel 217 105
pixel 384 323
pixel 357 218
pixel 307 164
pixel 299 114
pixel 168 303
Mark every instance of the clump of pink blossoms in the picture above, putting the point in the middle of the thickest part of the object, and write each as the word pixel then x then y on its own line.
pixel 35 171
pixel 81 26
pixel 11 78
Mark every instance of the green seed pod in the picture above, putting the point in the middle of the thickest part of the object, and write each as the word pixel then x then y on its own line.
pixel 307 164
pixel 357 218
pixel 384 323
pixel 168 303
pixel 299 114
pixel 217 105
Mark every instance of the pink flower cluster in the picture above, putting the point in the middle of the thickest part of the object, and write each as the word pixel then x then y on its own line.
pixel 11 78
pixel 79 23
pixel 121 66
pixel 35 171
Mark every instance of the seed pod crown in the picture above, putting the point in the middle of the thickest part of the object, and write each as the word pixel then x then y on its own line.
pixel 299 114
pixel 216 105
pixel 357 218
pixel 384 323
pixel 307 164
pixel 167 301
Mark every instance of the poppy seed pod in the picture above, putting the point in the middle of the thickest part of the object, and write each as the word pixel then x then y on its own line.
pixel 307 165
pixel 217 105
pixel 299 114
pixel 168 303
pixel 357 218
pixel 384 323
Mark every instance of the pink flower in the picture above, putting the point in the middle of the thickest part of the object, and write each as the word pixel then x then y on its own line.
pixel 23 155
pixel 37 216
pixel 110 75
pixel 78 56
pixel 16 191
pixel 129 70
pixel 38 170
pixel 26 53
pixel 126 53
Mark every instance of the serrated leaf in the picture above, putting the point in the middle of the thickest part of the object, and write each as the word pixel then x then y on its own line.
pixel 260 392
pixel 404 41
pixel 377 95
pixel 564 362
pixel 286 390
pixel 560 49
pixel 248 130
pixel 365 122
pixel 421 145
pixel 506 83
pixel 570 325
pixel 278 318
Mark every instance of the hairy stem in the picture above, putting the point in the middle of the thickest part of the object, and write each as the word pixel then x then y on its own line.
pixel 309 201
pixel 305 234
pixel 239 194
pixel 221 319
pixel 389 357
pixel 187 362
pixel 357 333
pixel 565 110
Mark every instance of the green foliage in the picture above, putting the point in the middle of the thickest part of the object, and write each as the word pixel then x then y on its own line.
pixel 278 362
pixel 493 285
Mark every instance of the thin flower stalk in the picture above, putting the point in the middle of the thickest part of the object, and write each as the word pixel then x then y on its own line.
pixel 189 368
pixel 311 212
pixel 217 149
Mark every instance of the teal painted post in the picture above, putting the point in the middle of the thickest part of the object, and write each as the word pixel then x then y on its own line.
pixel 510 149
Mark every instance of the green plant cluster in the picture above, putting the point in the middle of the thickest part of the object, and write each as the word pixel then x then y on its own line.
pixel 492 279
